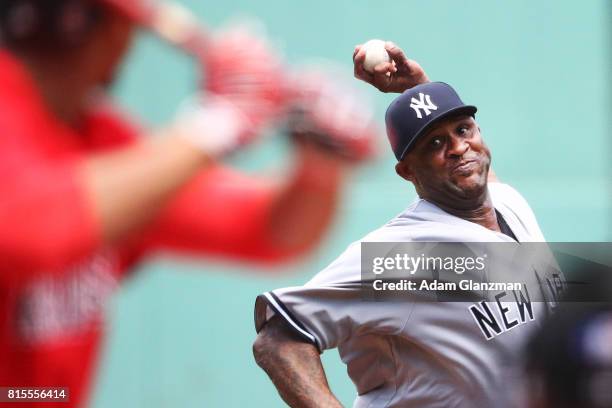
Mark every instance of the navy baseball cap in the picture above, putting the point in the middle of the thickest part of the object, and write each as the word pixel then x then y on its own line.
pixel 413 113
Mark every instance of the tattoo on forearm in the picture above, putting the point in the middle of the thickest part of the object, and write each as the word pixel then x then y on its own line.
pixel 294 367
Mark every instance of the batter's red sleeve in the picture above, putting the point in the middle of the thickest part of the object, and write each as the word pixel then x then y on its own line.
pixel 222 212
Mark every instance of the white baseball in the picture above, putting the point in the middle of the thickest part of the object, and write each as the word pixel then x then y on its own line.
pixel 375 53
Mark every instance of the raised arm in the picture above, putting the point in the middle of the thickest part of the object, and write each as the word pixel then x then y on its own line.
pixel 397 75
pixel 294 366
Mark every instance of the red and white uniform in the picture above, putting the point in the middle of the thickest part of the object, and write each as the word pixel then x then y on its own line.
pixel 55 274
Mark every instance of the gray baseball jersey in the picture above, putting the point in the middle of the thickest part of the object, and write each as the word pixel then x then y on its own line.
pixel 421 354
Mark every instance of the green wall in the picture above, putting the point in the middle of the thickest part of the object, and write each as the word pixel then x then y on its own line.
pixel 180 331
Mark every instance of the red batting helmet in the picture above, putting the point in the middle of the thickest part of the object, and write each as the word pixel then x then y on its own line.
pixel 169 20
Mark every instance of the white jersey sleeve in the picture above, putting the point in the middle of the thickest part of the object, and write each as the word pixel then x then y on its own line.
pixel 330 309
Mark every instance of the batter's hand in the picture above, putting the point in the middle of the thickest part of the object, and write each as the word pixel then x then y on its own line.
pixel 213 124
pixel 332 114
pixel 397 75
pixel 242 68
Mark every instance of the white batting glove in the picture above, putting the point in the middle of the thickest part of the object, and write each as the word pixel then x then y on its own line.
pixel 214 125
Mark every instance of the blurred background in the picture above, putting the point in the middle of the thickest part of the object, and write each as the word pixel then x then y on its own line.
pixel 180 331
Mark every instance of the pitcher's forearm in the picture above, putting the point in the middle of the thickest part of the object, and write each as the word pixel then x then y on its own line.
pixel 302 383
pixel 294 367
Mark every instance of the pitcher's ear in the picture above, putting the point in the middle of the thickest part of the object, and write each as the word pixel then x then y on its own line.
pixel 404 170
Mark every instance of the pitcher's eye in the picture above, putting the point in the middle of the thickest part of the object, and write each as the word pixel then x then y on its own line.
pixel 462 130
pixel 435 142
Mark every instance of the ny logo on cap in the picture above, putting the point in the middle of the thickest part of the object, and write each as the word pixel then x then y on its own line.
pixel 424 102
